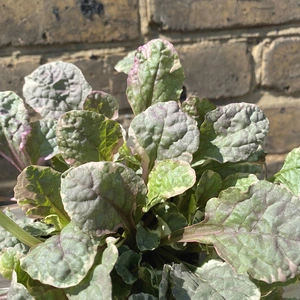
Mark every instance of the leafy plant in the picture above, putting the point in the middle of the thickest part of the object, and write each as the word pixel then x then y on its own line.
pixel 175 208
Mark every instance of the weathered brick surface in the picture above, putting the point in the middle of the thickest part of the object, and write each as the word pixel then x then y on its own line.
pixel 281 65
pixel 47 22
pixel 284 134
pixel 214 70
pixel 14 69
pixel 212 14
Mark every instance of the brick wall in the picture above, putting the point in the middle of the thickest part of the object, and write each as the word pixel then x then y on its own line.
pixel 232 51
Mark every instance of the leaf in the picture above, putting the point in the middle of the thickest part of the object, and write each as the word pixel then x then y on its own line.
pixel 142 296
pixel 167 179
pixel 290 172
pixel 146 239
pixel 14 130
pixel 85 136
pixel 163 131
pixel 239 180
pixel 215 280
pixel 125 64
pixel 254 231
pixel 42 141
pixel 232 133
pixel 8 260
pixel 102 196
pixel 38 192
pixel 55 88
pixel 197 108
pixel 98 284
pixel 156 76
pixel 69 257
pixel 230 168
pixel 102 103
pixel 208 186
pixel 169 218
pixel 18 291
pixel 127 266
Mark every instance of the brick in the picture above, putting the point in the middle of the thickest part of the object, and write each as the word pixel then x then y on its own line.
pixel 57 22
pixel 213 14
pixel 214 70
pixel 284 134
pixel 274 163
pixel 14 69
pixel 281 65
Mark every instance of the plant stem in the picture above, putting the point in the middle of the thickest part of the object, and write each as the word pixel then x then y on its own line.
pixel 9 225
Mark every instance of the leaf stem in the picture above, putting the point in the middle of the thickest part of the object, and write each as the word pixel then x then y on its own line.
pixel 12 227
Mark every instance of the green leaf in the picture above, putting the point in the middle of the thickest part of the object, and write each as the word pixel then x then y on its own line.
pixel 125 64
pixel 146 239
pixel 167 179
pixel 98 284
pixel 197 108
pixel 62 260
pixel 14 130
pixel 289 175
pixel 8 260
pixel 208 186
pixel 163 131
pixel 38 192
pixel 233 133
pixel 102 103
pixel 102 196
pixel 215 280
pixel 42 142
pixel 142 296
pixel 239 180
pixel 18 291
pixel 127 266
pixel 254 231
pixel 156 76
pixel 169 218
pixel 85 136
pixel 55 88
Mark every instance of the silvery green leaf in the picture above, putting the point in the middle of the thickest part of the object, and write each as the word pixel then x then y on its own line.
pixel 14 130
pixel 289 175
pixel 125 64
pixel 97 285
pixel 156 76
pixel 146 239
pixel 233 133
pixel 197 108
pixel 169 218
pixel 42 142
pixel 167 179
pixel 55 88
pixel 102 103
pixel 18 291
pixel 62 260
pixel 100 197
pixel 255 231
pixel 127 266
pixel 215 280
pixel 239 180
pixel 85 136
pixel 208 186
pixel 38 192
pixel 163 131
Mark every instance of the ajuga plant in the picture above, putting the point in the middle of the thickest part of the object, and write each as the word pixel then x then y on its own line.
pixel 177 207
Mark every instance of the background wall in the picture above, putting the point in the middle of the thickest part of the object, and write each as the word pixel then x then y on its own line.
pixel 232 51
